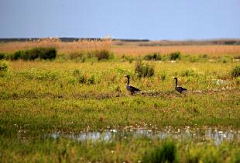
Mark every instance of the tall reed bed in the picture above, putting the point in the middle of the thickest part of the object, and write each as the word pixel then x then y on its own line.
pixel 121 48
pixel 63 47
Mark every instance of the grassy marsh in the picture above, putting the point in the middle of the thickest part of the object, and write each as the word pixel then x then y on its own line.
pixel 41 97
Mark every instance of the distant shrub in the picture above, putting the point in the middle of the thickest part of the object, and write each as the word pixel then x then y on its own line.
pixel 46 53
pixel 188 72
pixel 130 59
pixel 16 55
pixel 3 66
pixel 32 54
pixel 236 71
pixel 2 56
pixel 147 57
pixel 83 59
pixel 76 72
pixel 154 56
pixel 103 54
pixel 163 76
pixel 175 56
pixel 82 79
pixel 143 69
pixel 204 56
pixel 76 55
pixel 165 153
pixel 91 80
pixel 91 54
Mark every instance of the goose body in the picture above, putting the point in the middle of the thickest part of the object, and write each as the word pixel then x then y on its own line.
pixel 131 88
pixel 179 89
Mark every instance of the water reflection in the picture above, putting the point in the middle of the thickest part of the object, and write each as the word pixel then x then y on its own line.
pixel 192 134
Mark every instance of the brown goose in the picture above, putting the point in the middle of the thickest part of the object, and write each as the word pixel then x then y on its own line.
pixel 130 88
pixel 179 89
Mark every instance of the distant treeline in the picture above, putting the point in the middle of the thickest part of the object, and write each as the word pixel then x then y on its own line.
pixel 191 42
pixel 70 39
pixel 141 42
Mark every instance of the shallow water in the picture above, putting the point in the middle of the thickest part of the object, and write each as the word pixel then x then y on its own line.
pixel 215 135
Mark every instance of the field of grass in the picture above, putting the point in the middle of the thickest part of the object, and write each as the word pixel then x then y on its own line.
pixel 41 97
pixel 127 150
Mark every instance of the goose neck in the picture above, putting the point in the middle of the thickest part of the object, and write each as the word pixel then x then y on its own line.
pixel 175 82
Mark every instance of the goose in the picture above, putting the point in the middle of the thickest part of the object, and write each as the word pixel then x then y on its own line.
pixel 179 89
pixel 130 88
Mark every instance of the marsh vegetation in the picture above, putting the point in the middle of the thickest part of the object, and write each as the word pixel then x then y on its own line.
pixel 82 90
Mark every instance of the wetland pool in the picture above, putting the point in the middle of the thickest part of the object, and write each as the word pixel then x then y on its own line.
pixel 213 134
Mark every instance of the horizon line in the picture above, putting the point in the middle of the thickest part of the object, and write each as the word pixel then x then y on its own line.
pixel 115 39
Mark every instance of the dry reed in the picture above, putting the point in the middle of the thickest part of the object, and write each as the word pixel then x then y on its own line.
pixel 120 48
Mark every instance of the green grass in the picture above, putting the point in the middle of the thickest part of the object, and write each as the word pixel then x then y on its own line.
pixel 55 93
pixel 43 97
pixel 127 150
pixel 164 153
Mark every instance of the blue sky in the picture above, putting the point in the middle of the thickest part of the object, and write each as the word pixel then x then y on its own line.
pixel 129 19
